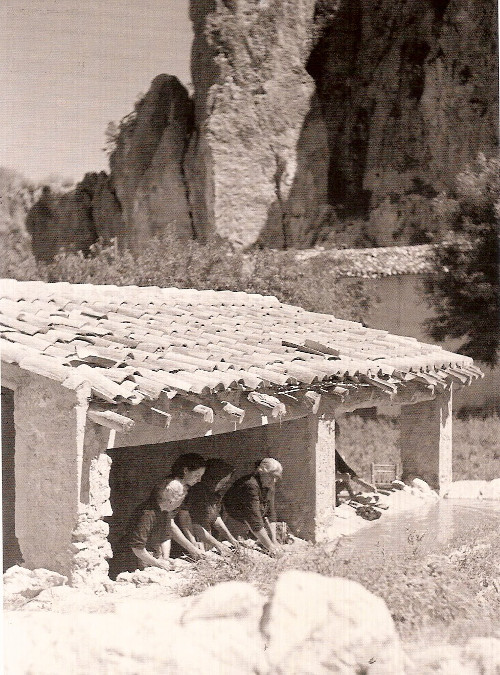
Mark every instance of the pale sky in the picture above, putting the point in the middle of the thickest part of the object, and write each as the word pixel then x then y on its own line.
pixel 71 66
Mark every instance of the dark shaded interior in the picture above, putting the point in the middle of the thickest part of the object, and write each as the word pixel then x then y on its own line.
pixel 11 551
pixel 136 469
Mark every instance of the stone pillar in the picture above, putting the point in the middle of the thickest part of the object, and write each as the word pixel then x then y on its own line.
pixel 426 440
pixel 50 428
pixel 306 495
pixel 323 449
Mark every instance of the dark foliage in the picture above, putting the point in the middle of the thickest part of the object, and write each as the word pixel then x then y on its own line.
pixel 464 290
pixel 169 261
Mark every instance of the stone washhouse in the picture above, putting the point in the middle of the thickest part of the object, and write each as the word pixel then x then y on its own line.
pixel 103 386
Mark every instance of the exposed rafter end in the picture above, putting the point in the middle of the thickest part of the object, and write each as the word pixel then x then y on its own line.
pixel 234 411
pixel 205 411
pixel 111 420
pixel 266 402
pixel 163 418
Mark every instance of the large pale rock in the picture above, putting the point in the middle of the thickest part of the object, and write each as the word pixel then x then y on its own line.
pixel 484 653
pixel 21 585
pixel 147 165
pixel 465 489
pixel 137 637
pixel 252 97
pixel 320 625
pixel 231 600
pixel 491 490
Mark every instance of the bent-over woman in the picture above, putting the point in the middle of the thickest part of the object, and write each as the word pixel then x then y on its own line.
pixel 250 500
pixel 201 511
pixel 152 527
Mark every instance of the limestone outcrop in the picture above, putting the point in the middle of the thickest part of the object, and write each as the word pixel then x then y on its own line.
pixel 252 96
pixel 147 171
pixel 409 96
pixel 76 219
pixel 311 121
pixel 310 112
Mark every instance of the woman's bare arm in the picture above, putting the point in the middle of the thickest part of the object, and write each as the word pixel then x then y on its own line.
pixel 150 561
pixel 187 526
pixel 222 527
pixel 205 536
pixel 177 535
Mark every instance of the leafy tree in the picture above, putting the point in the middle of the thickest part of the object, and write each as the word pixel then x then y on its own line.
pixel 464 289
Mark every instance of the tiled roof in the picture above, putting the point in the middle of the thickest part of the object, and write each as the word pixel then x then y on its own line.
pixel 134 343
pixel 375 262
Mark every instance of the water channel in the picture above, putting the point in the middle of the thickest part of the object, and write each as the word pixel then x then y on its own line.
pixel 433 528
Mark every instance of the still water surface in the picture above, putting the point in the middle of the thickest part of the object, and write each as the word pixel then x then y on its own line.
pixel 432 528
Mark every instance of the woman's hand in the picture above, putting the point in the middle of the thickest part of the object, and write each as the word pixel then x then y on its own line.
pixel 224 550
pixel 276 551
pixel 164 564
pixel 197 554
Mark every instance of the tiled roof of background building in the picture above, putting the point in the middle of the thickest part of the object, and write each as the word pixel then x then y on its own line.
pixel 132 343
pixel 375 262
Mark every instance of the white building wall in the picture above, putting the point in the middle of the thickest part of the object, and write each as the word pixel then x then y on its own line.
pixel 402 309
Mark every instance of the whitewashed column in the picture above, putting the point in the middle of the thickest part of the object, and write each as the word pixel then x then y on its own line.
pixel 426 441
pixel 323 449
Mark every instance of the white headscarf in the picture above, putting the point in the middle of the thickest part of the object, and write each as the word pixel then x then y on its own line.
pixel 270 465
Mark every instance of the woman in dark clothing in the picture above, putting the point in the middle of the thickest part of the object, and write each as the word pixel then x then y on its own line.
pixel 152 527
pixel 344 475
pixel 201 511
pixel 250 500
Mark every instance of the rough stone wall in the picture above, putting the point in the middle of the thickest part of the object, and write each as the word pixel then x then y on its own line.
pixel 61 483
pixel 89 543
pixel 252 95
pixel 50 424
pixel 147 165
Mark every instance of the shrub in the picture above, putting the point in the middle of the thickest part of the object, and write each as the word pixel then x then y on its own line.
pixel 167 261
pixel 452 592
pixel 464 289
pixel 17 260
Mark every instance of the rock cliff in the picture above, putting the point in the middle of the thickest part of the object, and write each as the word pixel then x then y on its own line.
pixel 310 119
pixel 76 219
pixel 147 164
pixel 409 94
pixel 344 105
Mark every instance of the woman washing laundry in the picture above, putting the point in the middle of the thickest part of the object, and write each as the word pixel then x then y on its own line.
pixel 200 513
pixel 250 500
pixel 152 527
pixel 345 475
